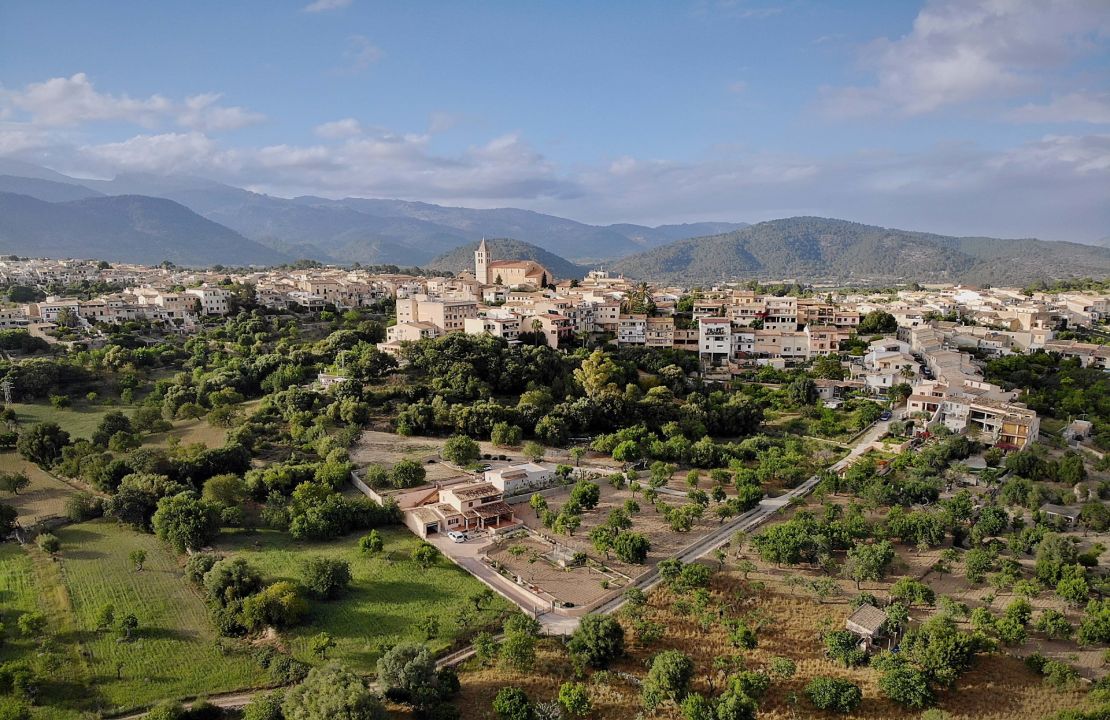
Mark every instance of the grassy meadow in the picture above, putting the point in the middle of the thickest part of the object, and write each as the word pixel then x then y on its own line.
pixel 389 595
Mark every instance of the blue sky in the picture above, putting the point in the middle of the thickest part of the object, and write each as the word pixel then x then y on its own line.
pixel 968 116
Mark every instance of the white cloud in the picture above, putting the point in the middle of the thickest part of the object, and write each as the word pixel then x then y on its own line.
pixel 325 5
pixel 69 101
pixel 73 101
pixel 339 129
pixel 961 51
pixel 1083 107
pixel 164 153
pixel 359 55
pixel 1054 186
pixel 738 87
pixel 201 112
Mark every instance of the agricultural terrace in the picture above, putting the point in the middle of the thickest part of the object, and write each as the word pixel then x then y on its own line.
pixel 785 623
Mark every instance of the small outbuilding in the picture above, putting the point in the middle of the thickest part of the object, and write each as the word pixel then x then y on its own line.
pixel 868 623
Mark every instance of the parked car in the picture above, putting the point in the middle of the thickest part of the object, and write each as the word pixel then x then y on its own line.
pixel 484 468
pixel 457 536
pixel 886 415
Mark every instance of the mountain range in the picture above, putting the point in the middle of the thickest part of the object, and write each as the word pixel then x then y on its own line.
pixel 354 229
pixel 811 248
pixel 195 221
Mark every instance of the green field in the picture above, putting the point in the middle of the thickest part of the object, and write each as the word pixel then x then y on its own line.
pixel 174 653
pixel 78 420
pixel 388 598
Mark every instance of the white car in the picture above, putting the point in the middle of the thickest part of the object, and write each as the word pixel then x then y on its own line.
pixel 457 536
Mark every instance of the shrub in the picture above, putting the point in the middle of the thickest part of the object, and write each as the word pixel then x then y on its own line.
pixel 599 639
pixel 828 693
pixel 511 703
pixel 326 578
pixel 48 543
pixel 83 506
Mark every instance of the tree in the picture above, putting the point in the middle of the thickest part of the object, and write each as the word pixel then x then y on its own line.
pixel 43 444
pixel 407 473
pixel 534 451
pixel 332 693
pixel 538 503
pixel 907 686
pixel 631 547
pixel 1054 624
pixel 460 450
pixel 802 391
pixel 668 679
pixel 869 561
pixel 13 482
pixel 877 322
pixel 512 703
pixel 227 489
pixel 586 494
pixel 912 592
pixel 371 544
pixel 506 435
pixel 105 617
pixel 407 672
pixel 137 558
pixel 231 580
pixel 326 578
pixel 828 693
pixel 576 454
pixel 518 651
pixel 279 605
pixel 599 639
pixel 127 625
pixel 425 554
pixel 575 699
pixel 185 521
pixel 113 422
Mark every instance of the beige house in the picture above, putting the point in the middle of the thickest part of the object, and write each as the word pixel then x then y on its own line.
pixel 472 506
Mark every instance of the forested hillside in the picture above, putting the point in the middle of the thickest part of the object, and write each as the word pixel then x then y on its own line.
pixel 814 248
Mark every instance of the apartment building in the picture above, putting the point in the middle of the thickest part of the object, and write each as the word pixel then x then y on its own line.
pixel 448 315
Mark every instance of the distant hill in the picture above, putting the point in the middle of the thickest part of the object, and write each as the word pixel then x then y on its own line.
pixel 367 230
pixel 124 228
pixel 823 248
pixel 462 258
pixel 47 190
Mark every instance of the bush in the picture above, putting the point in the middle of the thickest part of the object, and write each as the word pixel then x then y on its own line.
pixel 265 706
pixel 460 450
pixel 512 703
pixel 83 506
pixel 407 473
pixel 828 693
pixel 599 639
pixel 198 564
pixel 326 578
pixel 48 543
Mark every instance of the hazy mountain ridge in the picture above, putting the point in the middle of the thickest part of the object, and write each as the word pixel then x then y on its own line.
pixel 823 248
pixel 123 228
pixel 462 258
pixel 377 230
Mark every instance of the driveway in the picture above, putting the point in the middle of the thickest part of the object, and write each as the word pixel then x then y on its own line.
pixel 468 556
